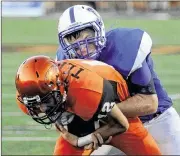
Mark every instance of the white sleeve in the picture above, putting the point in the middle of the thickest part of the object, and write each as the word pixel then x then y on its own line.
pixel 144 50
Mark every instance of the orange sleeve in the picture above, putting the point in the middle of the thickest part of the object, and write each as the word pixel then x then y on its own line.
pixel 84 90
pixel 85 102
pixel 109 73
pixel 122 90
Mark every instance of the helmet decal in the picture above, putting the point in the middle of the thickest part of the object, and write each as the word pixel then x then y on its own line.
pixel 50 76
pixel 71 13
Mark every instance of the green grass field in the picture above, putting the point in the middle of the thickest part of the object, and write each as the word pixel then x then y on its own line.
pixel 36 31
pixel 44 31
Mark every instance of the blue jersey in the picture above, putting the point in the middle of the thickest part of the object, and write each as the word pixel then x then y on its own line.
pixel 128 51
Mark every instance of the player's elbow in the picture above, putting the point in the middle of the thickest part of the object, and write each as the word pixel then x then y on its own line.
pixel 123 128
pixel 153 103
pixel 119 129
pixel 126 127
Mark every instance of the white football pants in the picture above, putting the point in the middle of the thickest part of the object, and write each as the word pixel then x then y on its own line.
pixel 165 129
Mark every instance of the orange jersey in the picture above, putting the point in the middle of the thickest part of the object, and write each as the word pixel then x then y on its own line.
pixel 89 87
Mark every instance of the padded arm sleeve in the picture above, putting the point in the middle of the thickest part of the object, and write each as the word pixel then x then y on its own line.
pixel 141 81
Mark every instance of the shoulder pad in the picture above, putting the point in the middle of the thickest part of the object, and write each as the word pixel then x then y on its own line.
pixel 143 51
pixel 60 54
pixel 126 49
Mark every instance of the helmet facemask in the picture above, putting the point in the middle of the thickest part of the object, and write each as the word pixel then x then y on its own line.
pixel 47 109
pixel 93 43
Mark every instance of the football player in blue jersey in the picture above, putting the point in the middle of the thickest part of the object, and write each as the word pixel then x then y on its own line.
pixel 82 35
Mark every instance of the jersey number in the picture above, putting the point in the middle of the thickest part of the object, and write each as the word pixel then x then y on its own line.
pixel 107 107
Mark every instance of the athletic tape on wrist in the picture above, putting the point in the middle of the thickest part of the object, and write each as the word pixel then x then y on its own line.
pixel 82 141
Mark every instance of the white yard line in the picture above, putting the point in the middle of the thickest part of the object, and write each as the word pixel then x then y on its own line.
pixel 26 128
pixel 12 114
pixel 29 139
pixel 4 95
pixel 175 96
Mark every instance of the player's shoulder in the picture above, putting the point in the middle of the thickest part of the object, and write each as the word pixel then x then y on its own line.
pixel 125 34
pixel 88 64
pixel 69 61
pixel 60 54
pixel 127 44
pixel 123 31
pixel 84 68
pixel 133 39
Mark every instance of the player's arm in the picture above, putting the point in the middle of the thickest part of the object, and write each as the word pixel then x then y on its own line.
pixel 104 134
pixel 117 123
pixel 107 107
pixel 96 138
pixel 144 100
pixel 142 105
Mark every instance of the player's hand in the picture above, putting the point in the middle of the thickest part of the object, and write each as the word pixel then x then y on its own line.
pixel 108 140
pixel 72 139
pixel 97 142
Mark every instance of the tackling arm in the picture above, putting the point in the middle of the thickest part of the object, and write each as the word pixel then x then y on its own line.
pixel 117 123
pixel 139 105
pixel 143 100
pixel 109 107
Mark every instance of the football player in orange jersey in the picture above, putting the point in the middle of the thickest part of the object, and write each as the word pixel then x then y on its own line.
pixel 88 89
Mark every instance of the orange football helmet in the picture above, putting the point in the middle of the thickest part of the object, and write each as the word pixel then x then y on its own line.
pixel 38 83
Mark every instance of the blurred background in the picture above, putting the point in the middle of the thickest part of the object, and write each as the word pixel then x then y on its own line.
pixel 30 28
